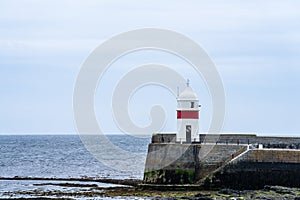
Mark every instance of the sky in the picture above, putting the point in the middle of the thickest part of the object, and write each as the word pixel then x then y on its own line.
pixel 255 46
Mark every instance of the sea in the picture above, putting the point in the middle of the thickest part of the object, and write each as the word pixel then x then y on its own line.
pixel 62 156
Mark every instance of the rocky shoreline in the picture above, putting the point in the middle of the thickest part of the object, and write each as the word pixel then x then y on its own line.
pixel 129 182
pixel 87 188
pixel 269 193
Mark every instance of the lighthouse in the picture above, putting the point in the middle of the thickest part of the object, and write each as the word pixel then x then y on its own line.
pixel 187 115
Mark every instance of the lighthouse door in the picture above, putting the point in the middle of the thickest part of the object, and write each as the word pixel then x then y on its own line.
pixel 188 132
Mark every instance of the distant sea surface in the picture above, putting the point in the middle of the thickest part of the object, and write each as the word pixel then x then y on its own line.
pixel 63 156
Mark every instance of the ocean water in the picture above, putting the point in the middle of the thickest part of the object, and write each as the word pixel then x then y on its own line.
pixel 65 156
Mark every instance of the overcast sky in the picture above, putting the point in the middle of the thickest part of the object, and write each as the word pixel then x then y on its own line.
pixel 254 44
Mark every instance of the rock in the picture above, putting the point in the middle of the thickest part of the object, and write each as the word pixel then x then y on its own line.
pixel 264 198
pixel 229 191
pixel 236 198
pixel 203 197
pixel 280 189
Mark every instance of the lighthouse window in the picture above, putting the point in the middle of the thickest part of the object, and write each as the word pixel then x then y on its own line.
pixel 192 104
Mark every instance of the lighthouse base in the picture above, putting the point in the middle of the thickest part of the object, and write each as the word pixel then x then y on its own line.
pixel 176 163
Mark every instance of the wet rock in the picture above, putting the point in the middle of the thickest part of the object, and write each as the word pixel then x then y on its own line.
pixel 280 189
pixel 229 192
pixel 264 198
pixel 203 197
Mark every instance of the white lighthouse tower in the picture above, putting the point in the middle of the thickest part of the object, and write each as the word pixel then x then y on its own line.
pixel 187 115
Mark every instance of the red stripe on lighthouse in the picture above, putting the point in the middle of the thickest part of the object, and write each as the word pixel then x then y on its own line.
pixel 187 114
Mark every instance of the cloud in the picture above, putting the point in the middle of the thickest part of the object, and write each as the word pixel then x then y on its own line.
pixel 255 45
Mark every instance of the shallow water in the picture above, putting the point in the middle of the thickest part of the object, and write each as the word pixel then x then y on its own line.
pixel 29 188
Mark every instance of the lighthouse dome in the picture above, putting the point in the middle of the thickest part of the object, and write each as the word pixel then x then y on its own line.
pixel 188 94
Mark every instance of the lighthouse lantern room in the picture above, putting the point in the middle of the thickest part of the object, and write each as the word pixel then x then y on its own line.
pixel 187 115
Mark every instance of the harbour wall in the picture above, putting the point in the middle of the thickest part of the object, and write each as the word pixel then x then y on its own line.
pixel 227 160
pixel 173 163
pixel 267 142
pixel 258 168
